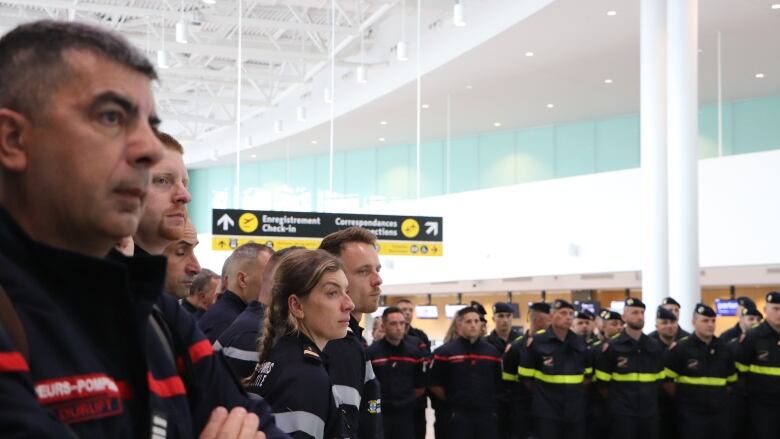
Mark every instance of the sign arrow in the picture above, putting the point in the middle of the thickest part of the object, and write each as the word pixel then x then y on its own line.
pixel 225 221
pixel 432 228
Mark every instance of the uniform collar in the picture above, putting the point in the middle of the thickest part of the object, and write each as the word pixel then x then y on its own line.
pixel 466 341
pixel 232 299
pixel 765 329
pixel 354 325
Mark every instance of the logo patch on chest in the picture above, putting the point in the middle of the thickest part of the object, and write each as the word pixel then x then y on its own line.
pixel 622 362
pixel 762 355
pixel 693 364
pixel 548 361
pixel 262 373
pixel 80 398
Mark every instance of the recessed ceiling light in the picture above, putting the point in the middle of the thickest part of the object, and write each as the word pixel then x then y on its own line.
pixel 607 81
pixel 314 142
pixel 529 54
pixel 426 106
pixel 759 75
pixel 254 156
pixel 469 87
pixel 776 6
pixel 383 122
pixel 611 13
pixel 496 124
pixel 381 139
pixel 550 105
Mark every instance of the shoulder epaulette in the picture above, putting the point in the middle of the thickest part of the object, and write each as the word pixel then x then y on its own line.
pixel 681 339
pixel 616 335
pixel 312 355
pixel 541 331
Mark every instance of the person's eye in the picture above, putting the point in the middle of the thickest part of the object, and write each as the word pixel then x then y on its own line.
pixel 112 117
pixel 161 180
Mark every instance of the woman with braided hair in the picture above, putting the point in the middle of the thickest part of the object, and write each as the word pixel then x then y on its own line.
pixel 309 307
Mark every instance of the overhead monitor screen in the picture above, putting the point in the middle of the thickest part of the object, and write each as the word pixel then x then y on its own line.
pixel 426 311
pixel 451 309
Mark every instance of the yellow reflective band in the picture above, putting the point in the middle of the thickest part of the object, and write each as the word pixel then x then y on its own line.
pixel 559 379
pixel 732 378
pixel 701 381
pixel 588 371
pixel 603 376
pixel 525 372
pixel 670 373
pixel 637 377
pixel 765 370
pixel 741 367
pixel 509 377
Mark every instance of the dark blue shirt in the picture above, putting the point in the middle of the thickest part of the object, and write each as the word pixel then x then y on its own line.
pixel 238 343
pixel 221 315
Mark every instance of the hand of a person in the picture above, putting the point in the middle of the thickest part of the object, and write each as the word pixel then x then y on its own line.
pixel 238 424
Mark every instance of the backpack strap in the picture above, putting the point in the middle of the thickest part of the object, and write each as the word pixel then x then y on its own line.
pixel 9 321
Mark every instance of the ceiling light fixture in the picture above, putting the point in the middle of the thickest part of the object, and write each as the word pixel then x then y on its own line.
pixel 469 87
pixel 301 113
pixel 360 74
pixel 496 124
pixel 314 142
pixel 254 156
pixel 326 96
pixel 759 75
pixel 162 56
pixel 400 47
pixel 776 6
pixel 425 106
pixel 384 122
pixel 181 26
pixel 607 81
pixel 278 126
pixel 550 105
pixel 381 139
pixel 611 13
pixel 529 54
pixel 210 2
pixel 458 14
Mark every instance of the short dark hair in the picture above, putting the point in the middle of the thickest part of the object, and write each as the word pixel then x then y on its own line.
pixel 390 310
pixel 404 301
pixel 201 280
pixel 463 311
pixel 334 243
pixel 32 65
pixel 169 142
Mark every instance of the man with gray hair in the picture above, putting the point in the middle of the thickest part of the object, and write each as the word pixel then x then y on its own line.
pixel 203 292
pixel 89 344
pixel 243 273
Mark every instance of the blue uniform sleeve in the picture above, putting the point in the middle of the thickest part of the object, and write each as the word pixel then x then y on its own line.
pixel 439 368
pixel 20 414
pixel 209 381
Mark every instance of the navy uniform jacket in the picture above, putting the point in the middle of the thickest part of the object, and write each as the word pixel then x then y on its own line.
pixel 355 386
pixel 399 370
pixel 238 343
pixel 702 373
pixel 221 315
pixel 731 334
pixel 557 370
pixel 758 361
pixel 510 365
pixel 294 381
pixel 419 333
pixel 468 372
pixel 499 342
pixel 192 309
pixel 631 370
pixel 99 365
pixel 680 334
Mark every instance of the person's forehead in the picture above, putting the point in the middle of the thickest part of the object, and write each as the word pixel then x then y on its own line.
pixel 91 74
pixel 395 317
pixel 359 253
pixel 172 163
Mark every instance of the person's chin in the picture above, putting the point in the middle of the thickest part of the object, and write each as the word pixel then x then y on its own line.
pixel 172 232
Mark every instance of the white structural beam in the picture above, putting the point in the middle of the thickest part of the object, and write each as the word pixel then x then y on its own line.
pixel 172 14
pixel 682 125
pixel 655 239
pixel 206 99
pixel 182 117
pixel 229 74
pixel 226 50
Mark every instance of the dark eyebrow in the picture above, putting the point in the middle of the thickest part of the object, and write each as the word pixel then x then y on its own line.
pixel 116 98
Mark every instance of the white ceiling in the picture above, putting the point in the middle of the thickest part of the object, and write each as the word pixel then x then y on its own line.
pixel 576 47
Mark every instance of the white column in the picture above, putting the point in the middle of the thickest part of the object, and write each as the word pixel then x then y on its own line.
pixel 655 236
pixel 682 124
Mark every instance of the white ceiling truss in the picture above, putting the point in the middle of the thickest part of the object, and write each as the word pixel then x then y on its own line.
pixel 285 43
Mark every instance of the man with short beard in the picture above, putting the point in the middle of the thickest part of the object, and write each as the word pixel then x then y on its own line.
pixel 629 370
pixel 667 330
pixel 182 263
pixel 165 214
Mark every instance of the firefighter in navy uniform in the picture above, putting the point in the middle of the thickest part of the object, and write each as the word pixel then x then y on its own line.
pixel 598 417
pixel 584 323
pixel 668 303
pixel 628 370
pixel 501 335
pixel 554 368
pixel 749 317
pixel 465 373
pixel 521 420
pixel 399 366
pixel 424 343
pixel 745 307
pixel 667 333
pixel 701 369
pixel 758 363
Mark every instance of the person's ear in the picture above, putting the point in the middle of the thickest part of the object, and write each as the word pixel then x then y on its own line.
pixel 241 279
pixel 14 129
pixel 295 305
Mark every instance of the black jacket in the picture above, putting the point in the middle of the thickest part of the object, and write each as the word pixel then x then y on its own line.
pixel 221 315
pixel 238 343
pixel 399 370
pixel 296 384
pixel 758 361
pixel 470 374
